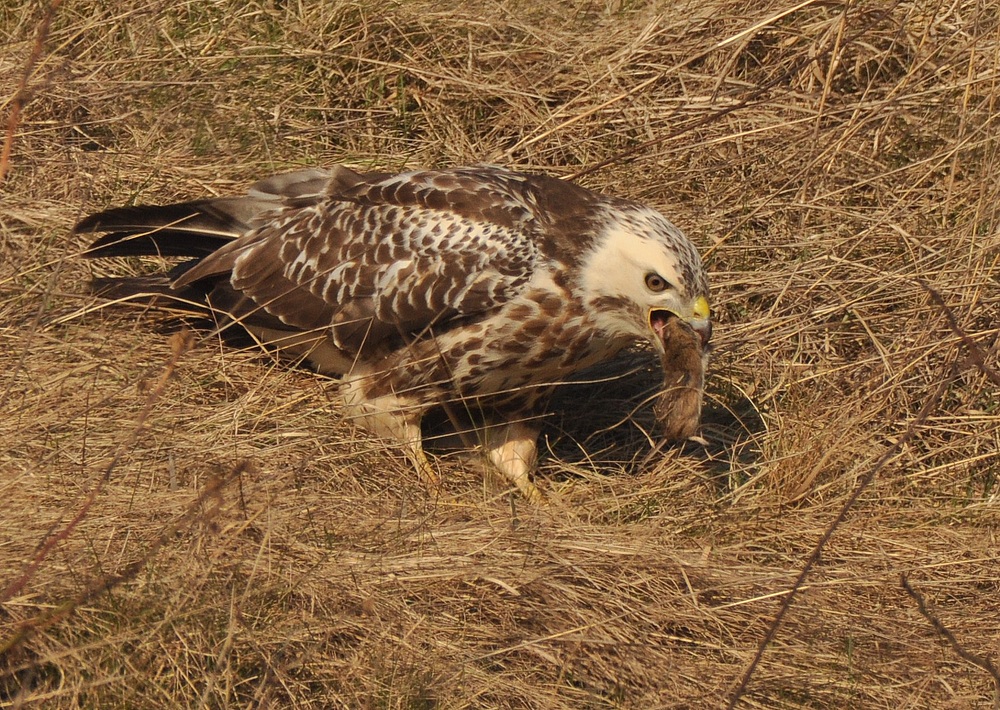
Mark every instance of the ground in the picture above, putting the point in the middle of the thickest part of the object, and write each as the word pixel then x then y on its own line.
pixel 201 525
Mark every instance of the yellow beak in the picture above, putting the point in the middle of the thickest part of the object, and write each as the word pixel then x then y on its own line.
pixel 699 320
pixel 701 309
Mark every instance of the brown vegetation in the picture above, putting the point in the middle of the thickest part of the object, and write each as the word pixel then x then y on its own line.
pixel 223 537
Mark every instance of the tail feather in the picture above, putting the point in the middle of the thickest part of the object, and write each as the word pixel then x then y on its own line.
pixel 184 229
pixel 200 227
pixel 201 230
pixel 163 242
pixel 150 290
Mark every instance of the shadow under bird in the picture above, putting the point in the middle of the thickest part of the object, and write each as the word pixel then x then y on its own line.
pixel 477 288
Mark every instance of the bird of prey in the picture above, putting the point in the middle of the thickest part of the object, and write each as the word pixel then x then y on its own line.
pixel 476 288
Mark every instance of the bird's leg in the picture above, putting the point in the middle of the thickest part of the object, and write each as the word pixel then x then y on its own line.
pixel 394 419
pixel 409 434
pixel 513 449
pixel 405 428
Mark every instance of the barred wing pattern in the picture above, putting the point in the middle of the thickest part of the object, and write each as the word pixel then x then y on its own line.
pixel 480 285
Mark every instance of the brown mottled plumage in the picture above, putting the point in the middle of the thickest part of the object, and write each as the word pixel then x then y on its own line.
pixel 480 286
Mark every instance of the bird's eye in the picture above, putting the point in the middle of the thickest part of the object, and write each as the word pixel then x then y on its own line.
pixel 656 283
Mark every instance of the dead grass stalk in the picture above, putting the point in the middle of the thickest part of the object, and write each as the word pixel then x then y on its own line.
pixel 836 164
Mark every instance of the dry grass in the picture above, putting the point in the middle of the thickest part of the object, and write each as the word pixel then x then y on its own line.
pixel 231 541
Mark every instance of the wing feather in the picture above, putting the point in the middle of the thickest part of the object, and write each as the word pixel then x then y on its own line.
pixel 380 258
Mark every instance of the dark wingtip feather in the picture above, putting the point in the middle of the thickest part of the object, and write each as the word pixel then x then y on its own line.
pixel 146 289
pixel 159 242
pixel 139 217
pixel 185 229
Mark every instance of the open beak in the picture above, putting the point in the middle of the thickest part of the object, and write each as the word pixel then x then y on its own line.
pixel 699 321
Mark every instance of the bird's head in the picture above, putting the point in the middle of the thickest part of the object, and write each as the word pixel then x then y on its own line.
pixel 642 273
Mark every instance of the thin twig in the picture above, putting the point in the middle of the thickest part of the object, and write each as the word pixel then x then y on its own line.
pixel 180 343
pixel 976 353
pixel 99 586
pixel 979 661
pixel 929 406
pixel 23 95
pixel 976 356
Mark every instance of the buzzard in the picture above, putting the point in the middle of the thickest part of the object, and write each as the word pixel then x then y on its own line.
pixel 477 289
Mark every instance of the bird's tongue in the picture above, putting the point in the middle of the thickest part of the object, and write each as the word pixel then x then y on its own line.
pixel 659 319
